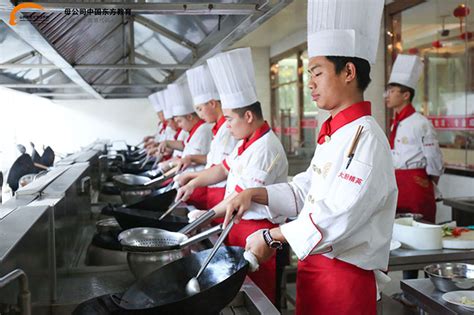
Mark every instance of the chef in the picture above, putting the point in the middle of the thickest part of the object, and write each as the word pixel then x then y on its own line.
pixel 415 151
pixel 208 106
pixel 198 141
pixel 344 203
pixel 257 160
pixel 155 101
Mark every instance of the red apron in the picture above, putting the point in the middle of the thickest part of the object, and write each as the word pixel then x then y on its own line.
pixel 327 286
pixel 198 198
pixel 265 277
pixel 214 196
pixel 416 193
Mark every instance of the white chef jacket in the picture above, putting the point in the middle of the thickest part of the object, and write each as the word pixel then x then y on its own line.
pixel 160 132
pixel 346 214
pixel 198 144
pixel 183 135
pixel 168 135
pixel 416 146
pixel 263 163
pixel 222 145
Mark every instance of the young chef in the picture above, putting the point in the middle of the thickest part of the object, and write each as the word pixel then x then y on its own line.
pixel 257 160
pixel 208 106
pixel 345 201
pixel 416 155
pixel 156 102
pixel 197 143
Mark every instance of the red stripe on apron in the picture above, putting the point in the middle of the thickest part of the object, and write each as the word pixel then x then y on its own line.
pixel 416 193
pixel 330 286
pixel 265 277
pixel 199 198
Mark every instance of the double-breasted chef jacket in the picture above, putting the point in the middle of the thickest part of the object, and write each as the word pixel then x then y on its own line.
pixel 257 162
pixel 222 145
pixel 344 212
pixel 416 155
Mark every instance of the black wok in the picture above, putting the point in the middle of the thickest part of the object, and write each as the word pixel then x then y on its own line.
pixel 163 291
pixel 22 166
pixel 131 218
pixel 48 157
pixel 156 201
pixel 136 167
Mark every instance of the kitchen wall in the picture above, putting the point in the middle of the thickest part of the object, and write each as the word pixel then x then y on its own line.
pixel 68 125
pixel 452 186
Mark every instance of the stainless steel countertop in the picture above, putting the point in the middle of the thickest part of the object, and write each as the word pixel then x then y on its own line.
pixel 409 259
pixel 424 292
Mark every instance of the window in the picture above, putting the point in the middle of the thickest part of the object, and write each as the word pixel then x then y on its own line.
pixel 435 31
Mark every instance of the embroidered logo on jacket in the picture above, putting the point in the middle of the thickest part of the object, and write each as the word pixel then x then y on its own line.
pixel 351 178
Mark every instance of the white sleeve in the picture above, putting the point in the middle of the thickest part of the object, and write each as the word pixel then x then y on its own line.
pixel 355 195
pixel 431 150
pixel 287 199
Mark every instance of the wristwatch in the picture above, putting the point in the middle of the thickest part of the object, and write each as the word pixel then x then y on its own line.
pixel 270 241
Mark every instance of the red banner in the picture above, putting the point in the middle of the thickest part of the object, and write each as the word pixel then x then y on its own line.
pixel 452 122
pixel 309 123
pixel 290 131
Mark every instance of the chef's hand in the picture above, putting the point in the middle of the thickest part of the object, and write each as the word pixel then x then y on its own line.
pixel 185 178
pixel 162 147
pixel 184 163
pixel 241 203
pixel 193 215
pixel 152 150
pixel 256 245
pixel 185 192
pixel 145 139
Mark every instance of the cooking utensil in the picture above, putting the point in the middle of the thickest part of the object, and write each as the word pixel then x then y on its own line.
pixel 193 287
pixel 163 291
pixel 451 276
pixel 171 208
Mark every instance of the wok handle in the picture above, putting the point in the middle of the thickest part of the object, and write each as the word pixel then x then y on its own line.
pixel 218 244
pixel 198 222
pixel 201 236
pixel 170 209
pixel 116 299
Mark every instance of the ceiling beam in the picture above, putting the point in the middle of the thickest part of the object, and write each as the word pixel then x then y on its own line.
pixel 175 8
pixel 33 37
pixel 96 66
pixel 166 33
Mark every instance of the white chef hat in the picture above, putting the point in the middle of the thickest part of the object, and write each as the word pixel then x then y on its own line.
pixel 155 102
pixel 347 28
pixel 182 103
pixel 201 85
pixel 406 70
pixel 166 102
pixel 234 77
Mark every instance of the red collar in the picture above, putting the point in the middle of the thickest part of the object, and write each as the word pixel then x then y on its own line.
pixel 264 128
pixel 193 129
pixel 163 126
pixel 332 124
pixel 217 125
pixel 176 135
pixel 406 112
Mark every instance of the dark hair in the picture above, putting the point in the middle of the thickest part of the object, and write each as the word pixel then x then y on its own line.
pixel 404 89
pixel 255 108
pixel 362 69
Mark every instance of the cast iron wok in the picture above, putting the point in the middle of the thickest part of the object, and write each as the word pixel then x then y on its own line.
pixel 163 291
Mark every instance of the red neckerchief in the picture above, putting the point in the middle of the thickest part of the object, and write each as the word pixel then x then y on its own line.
pixel 193 129
pixel 332 124
pixel 176 135
pixel 264 128
pixel 217 125
pixel 163 127
pixel 404 113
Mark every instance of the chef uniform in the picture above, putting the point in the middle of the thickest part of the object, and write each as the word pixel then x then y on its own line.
pixel 169 134
pixel 198 141
pixel 203 90
pixel 157 104
pixel 345 210
pixel 415 149
pixel 254 162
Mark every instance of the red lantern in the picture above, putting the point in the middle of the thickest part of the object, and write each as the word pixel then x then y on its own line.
pixel 466 36
pixel 437 44
pixel 413 51
pixel 461 12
